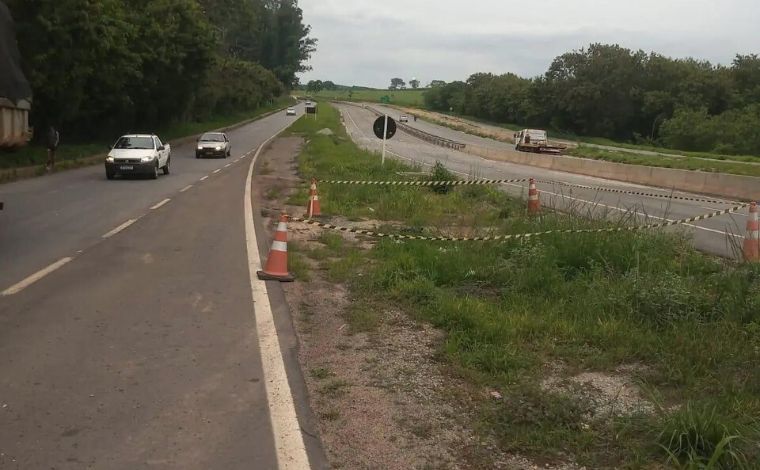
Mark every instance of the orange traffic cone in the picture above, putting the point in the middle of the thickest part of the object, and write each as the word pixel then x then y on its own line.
pixel 276 268
pixel 534 203
pixel 312 207
pixel 752 240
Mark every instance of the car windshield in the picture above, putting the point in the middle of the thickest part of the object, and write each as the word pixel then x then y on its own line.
pixel 212 138
pixel 134 143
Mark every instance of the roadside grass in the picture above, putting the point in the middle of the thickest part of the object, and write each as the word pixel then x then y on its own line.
pixel 572 303
pixel 400 97
pixel 729 165
pixel 70 154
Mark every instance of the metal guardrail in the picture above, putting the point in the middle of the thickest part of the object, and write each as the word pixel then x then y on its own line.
pixel 420 134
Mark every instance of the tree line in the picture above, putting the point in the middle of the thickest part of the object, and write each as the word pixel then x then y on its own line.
pixel 99 67
pixel 614 92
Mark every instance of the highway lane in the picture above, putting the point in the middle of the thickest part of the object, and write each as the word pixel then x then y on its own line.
pixel 144 351
pixel 52 217
pixel 719 235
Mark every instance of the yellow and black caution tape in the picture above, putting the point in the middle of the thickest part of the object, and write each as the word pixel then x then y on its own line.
pixel 518 236
pixel 524 180
pixel 637 193
pixel 425 183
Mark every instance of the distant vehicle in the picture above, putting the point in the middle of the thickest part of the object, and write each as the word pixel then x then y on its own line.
pixel 290 112
pixel 213 144
pixel 403 118
pixel 308 103
pixel 138 154
pixel 536 141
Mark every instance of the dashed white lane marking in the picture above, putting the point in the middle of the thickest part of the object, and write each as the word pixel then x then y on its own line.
pixel 288 440
pixel 217 170
pixel 204 178
pixel 18 287
pixel 228 165
pixel 165 201
pixel 186 188
pixel 119 228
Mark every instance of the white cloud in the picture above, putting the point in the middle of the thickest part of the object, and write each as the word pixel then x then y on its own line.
pixel 366 42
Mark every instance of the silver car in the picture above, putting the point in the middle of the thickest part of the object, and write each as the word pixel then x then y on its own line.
pixel 213 144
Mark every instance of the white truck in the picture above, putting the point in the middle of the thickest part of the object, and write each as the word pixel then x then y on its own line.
pixel 138 154
pixel 536 141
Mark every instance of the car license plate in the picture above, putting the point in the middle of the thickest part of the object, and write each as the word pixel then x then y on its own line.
pixel 126 167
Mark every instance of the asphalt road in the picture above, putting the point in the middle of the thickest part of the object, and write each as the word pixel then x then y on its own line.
pixel 720 235
pixel 141 351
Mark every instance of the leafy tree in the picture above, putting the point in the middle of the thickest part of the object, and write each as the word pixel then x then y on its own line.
pixel 414 83
pixel 436 83
pixel 397 83
pixel 314 86
pixel 287 45
pixel 100 67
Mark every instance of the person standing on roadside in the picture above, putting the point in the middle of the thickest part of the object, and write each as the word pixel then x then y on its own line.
pixel 53 139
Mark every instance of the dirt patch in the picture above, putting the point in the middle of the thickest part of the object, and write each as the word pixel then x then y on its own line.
pixel 609 394
pixel 383 397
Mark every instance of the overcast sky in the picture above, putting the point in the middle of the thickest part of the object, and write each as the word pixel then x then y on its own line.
pixel 367 42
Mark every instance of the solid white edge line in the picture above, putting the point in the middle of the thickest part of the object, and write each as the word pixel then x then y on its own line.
pixel 165 201
pixel 203 178
pixel 186 188
pixel 19 286
pixel 217 170
pixel 228 165
pixel 288 440
pixel 119 228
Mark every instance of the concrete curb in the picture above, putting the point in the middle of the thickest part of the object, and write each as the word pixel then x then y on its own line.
pixel 736 187
pixel 14 174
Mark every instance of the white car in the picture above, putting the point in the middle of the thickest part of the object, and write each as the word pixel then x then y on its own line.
pixel 290 112
pixel 138 154
pixel 403 118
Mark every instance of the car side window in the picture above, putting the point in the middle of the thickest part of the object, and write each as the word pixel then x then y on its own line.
pixel 157 141
pixel 226 139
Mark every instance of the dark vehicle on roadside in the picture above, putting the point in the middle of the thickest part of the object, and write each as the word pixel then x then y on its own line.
pixel 213 144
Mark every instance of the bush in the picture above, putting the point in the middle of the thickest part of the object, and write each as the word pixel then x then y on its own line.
pixel 441 173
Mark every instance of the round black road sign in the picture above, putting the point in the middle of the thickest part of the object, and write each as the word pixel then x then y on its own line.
pixel 379 125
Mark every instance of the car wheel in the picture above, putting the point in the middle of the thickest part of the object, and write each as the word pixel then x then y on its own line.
pixel 154 174
pixel 166 167
pixel 197 155
pixel 109 175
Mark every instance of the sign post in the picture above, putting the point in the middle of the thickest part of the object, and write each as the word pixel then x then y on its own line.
pixel 385 138
pixel 384 128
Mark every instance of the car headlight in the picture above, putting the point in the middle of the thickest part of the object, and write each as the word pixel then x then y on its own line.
pixel 200 147
pixel 218 148
pixel 147 159
pixel 109 159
